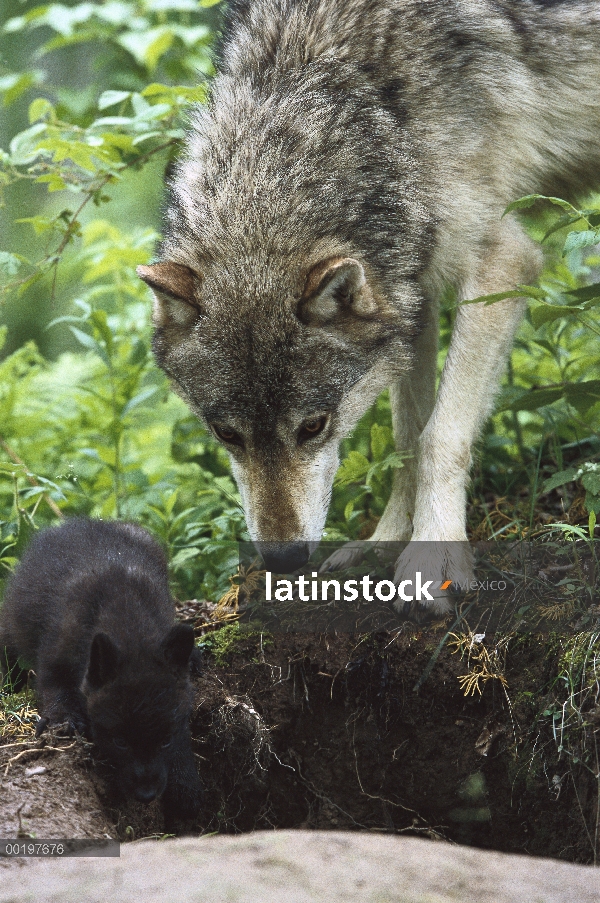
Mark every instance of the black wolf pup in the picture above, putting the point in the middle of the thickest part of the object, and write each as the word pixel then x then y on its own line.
pixel 89 610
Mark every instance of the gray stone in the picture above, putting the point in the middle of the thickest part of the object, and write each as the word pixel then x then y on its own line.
pixel 299 867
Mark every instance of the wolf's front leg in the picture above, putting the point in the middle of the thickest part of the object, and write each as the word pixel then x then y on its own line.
pixel 481 342
pixel 60 701
pixel 412 398
pixel 183 795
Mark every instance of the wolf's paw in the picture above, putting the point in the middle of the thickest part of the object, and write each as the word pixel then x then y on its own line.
pixel 350 554
pixel 428 572
pixel 64 724
pixel 196 661
pixel 181 802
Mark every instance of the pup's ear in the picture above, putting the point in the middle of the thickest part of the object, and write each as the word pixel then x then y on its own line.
pixel 104 662
pixel 176 293
pixel 177 646
pixel 334 288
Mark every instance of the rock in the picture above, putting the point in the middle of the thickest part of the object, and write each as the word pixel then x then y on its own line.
pixel 300 867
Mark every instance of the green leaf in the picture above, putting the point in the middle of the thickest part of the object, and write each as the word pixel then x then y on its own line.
pixel 10 264
pixel 14 85
pixel 567 220
pixel 123 143
pixel 381 439
pixel 100 322
pixel 586 292
pixel 546 313
pixel 353 469
pixel 559 479
pixel 592 503
pixel 39 109
pixel 39 224
pixel 170 502
pixel 583 239
pixel 24 147
pixel 522 291
pixel 529 200
pixel 54 183
pixel 27 283
pixel 537 398
pixel 182 556
pixel 524 203
pixel 147 47
pixel 111 98
pixel 583 395
pixel 591 482
pixel 138 399
pixel 191 36
pixel 176 93
pixel 90 342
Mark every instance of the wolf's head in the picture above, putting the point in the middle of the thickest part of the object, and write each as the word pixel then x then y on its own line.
pixel 279 380
pixel 287 296
pixel 139 708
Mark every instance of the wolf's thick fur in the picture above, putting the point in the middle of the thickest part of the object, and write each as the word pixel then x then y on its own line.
pixel 355 159
pixel 89 609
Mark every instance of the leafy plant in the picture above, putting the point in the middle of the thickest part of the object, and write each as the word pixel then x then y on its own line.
pixel 554 406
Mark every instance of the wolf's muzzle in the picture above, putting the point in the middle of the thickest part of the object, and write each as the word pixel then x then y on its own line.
pixel 145 794
pixel 283 557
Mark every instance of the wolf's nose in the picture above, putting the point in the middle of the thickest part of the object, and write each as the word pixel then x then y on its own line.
pixel 145 794
pixel 284 557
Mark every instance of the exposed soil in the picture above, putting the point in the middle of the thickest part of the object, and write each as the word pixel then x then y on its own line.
pixel 328 732
pixel 51 791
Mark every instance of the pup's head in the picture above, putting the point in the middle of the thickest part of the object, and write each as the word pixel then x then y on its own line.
pixel 139 708
pixel 279 379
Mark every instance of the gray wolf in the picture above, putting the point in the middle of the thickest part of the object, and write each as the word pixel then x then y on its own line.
pixel 89 610
pixel 353 163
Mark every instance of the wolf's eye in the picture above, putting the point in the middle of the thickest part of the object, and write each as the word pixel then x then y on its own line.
pixel 312 428
pixel 226 434
pixel 120 743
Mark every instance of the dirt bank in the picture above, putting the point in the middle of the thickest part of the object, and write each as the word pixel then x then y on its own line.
pixel 329 732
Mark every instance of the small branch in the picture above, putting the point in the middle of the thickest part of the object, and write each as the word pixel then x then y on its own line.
pixel 30 478
pixel 51 261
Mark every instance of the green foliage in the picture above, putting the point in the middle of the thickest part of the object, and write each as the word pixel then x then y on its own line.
pixel 364 479
pixel 81 142
pixel 573 703
pixel 103 422
pixel 227 640
pixel 549 410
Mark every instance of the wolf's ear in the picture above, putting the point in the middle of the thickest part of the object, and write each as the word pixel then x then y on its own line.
pixel 334 288
pixel 104 662
pixel 176 293
pixel 178 644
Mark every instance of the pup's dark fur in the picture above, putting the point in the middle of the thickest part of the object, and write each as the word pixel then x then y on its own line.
pixel 89 610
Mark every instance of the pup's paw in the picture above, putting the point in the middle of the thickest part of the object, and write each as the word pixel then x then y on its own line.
pixel 181 803
pixel 427 573
pixel 64 724
pixel 196 661
pixel 350 555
